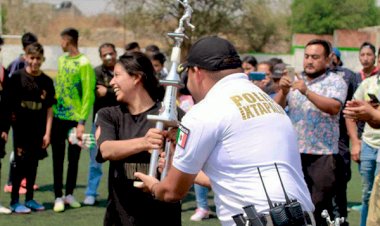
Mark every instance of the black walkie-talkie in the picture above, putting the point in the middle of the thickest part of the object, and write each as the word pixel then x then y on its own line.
pixel 239 219
pixel 293 207
pixel 252 215
pixel 277 212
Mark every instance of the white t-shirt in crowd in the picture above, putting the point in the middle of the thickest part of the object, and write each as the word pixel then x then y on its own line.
pixel 232 131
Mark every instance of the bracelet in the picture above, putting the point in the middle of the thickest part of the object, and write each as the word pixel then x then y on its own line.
pixel 152 191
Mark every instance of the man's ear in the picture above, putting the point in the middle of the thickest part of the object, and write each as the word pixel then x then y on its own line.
pixel 330 56
pixel 329 59
pixel 199 74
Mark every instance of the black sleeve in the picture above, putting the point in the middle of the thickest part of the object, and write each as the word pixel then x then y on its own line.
pixel 6 73
pixel 2 100
pixel 12 99
pixel 357 80
pixel 351 84
pixel 9 68
pixel 106 123
pixel 50 96
pixel 99 75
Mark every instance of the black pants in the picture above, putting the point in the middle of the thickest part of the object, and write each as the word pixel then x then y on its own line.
pixel 0 169
pixel 10 173
pixel 27 138
pixel 130 206
pixel 23 167
pixel 320 177
pixel 343 166
pixel 59 135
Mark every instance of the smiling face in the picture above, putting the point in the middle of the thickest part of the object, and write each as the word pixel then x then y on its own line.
pixel 123 83
pixel 34 62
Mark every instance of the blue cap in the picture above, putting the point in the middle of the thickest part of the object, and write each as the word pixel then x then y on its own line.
pixel 336 52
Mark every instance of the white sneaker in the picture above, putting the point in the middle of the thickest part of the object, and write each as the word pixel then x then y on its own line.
pixel 200 214
pixel 4 210
pixel 59 205
pixel 70 200
pixel 89 200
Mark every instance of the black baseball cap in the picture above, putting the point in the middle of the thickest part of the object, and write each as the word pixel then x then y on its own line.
pixel 212 53
pixel 278 70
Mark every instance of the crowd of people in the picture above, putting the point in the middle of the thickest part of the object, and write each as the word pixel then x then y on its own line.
pixel 239 128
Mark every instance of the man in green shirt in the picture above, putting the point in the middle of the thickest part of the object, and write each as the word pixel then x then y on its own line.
pixel 75 85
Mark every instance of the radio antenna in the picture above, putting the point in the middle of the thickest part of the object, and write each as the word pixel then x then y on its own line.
pixel 266 193
pixel 282 185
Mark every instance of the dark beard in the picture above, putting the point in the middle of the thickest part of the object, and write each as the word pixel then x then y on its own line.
pixel 316 74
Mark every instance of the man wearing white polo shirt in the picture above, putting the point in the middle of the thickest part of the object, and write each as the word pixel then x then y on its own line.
pixel 233 129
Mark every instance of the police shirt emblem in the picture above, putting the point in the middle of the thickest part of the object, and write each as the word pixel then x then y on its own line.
pixel 182 135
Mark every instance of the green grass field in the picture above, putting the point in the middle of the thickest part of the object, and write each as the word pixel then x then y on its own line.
pixel 94 215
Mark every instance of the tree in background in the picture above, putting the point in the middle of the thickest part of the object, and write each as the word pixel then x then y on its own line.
pixel 263 24
pixel 156 18
pixel 251 24
pixel 211 17
pixel 324 16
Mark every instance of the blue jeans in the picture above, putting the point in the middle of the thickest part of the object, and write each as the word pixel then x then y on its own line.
pixel 201 196
pixel 368 170
pixel 94 171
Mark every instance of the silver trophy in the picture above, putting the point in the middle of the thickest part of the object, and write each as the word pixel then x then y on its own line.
pixel 168 113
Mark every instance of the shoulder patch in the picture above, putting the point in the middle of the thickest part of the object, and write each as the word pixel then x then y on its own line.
pixel 182 135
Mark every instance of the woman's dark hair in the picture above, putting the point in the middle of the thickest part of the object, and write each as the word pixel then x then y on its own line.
pixel 137 63
pixel 160 57
pixel 251 60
